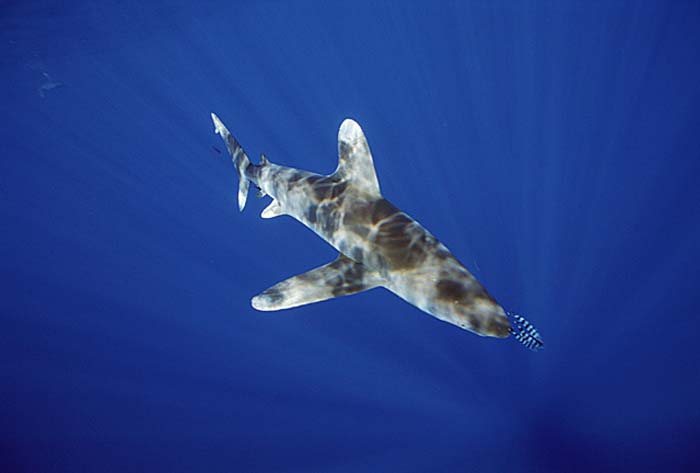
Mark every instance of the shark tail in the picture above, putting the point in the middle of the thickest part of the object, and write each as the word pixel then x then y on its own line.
pixel 525 333
pixel 240 159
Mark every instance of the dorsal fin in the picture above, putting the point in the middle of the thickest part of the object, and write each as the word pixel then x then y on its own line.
pixel 355 160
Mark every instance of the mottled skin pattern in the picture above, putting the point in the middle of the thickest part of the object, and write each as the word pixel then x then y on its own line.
pixel 379 244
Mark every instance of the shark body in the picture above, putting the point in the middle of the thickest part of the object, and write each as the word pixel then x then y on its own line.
pixel 48 85
pixel 378 244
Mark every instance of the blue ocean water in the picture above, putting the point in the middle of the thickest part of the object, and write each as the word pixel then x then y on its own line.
pixel 553 146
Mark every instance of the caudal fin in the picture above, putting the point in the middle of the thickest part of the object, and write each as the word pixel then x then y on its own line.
pixel 525 333
pixel 240 159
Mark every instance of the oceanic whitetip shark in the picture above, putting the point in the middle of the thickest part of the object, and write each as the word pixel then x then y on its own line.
pixel 378 245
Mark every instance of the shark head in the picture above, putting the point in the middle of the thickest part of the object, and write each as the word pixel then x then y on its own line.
pixel 485 318
pixel 465 303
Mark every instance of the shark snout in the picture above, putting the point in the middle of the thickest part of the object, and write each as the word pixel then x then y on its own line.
pixel 485 318
pixel 497 326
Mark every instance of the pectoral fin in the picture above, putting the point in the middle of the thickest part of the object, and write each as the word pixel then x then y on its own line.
pixel 339 278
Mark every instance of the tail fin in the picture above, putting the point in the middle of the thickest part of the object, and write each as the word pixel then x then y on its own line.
pixel 525 333
pixel 240 159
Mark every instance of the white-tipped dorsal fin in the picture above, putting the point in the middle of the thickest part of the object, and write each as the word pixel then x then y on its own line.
pixel 355 160
pixel 272 210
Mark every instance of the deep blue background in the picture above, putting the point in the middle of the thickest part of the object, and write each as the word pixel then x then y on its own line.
pixel 553 146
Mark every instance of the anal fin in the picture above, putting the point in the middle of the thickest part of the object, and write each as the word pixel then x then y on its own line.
pixel 339 278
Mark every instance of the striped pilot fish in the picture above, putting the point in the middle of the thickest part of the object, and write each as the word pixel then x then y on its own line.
pixel 378 244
